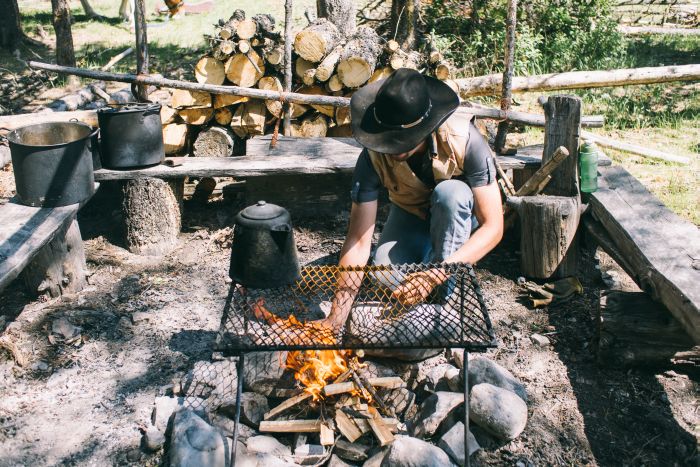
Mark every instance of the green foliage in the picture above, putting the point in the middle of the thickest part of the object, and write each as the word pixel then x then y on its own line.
pixel 558 35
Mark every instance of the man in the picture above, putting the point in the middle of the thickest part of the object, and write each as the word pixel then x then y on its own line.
pixel 438 170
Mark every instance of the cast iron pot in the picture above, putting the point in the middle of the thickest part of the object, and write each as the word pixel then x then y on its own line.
pixel 131 135
pixel 52 163
pixel 263 253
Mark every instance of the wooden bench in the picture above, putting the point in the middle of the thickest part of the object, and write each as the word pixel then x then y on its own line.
pixel 44 246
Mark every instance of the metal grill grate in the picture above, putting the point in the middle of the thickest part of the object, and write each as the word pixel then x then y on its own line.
pixel 286 318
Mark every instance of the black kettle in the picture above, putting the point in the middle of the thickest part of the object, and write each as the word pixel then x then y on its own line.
pixel 263 254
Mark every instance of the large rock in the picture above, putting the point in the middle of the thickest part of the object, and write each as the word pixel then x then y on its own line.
pixel 267 445
pixel 435 410
pixel 354 452
pixel 483 370
pixel 454 379
pixel 437 379
pixel 227 426
pixel 309 454
pixel 164 407
pixel 195 443
pixel 413 452
pixel 406 355
pixel 376 460
pixel 153 439
pixel 253 408
pixel 265 373
pixel 338 462
pixel 498 411
pixel 452 443
pixel 400 399
pixel 245 458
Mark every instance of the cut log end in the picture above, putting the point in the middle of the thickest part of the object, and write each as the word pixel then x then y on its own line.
pixel 209 71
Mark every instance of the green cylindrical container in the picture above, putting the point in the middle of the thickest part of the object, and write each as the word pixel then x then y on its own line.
pixel 588 167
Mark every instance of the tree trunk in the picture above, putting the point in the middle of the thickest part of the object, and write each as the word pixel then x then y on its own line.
pixel 152 210
pixel 508 63
pixel 404 22
pixel 10 27
pixel 141 46
pixel 64 39
pixel 339 12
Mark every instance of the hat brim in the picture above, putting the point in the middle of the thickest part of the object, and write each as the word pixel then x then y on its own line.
pixel 372 135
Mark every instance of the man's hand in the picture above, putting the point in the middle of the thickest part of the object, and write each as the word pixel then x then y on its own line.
pixel 417 286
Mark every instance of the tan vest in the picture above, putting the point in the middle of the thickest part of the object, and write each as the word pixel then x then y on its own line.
pixel 406 190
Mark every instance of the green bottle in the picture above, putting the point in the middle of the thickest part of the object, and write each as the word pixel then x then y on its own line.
pixel 588 166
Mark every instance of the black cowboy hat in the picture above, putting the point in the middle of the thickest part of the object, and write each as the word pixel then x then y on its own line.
pixel 394 115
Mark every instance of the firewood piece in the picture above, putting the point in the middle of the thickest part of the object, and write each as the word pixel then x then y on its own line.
pixel 196 116
pixel 347 426
pixel 301 66
pixel 381 431
pixel 246 29
pixel 287 404
pixel 309 76
pixel 167 115
pixel 223 116
pixel 290 426
pixel 316 40
pixel 342 116
pixel 203 190
pixel 397 59
pixel 442 71
pixel 359 57
pixel 225 100
pixel 339 388
pixel 249 119
pixel 328 110
pixel 182 98
pixel 266 26
pixel 388 382
pixel 174 138
pixel 340 131
pixel 243 46
pixel 225 49
pixel 209 71
pixel 272 83
pixel 391 423
pixel 334 84
pixel 315 126
pixel 325 69
pixel 392 46
pixel 226 32
pixel 413 60
pixel 245 69
pixel 543 172
pixel 275 56
pixel 215 141
pixel 327 434
pixel 381 73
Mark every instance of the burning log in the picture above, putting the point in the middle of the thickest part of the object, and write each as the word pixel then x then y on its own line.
pixel 388 382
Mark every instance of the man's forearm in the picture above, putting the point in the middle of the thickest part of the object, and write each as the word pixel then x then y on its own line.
pixel 483 240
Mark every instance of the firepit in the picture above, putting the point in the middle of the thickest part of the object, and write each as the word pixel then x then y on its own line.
pixel 453 315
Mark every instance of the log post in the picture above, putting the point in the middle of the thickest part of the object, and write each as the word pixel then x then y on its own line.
pixel 287 64
pixel 141 47
pixel 60 265
pixel 508 62
pixel 562 128
pixel 634 330
pixel 152 213
pixel 548 228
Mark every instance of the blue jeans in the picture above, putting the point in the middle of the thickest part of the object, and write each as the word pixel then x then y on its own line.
pixel 407 238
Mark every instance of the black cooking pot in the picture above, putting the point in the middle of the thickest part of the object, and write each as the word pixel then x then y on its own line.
pixel 264 254
pixel 131 135
pixel 52 163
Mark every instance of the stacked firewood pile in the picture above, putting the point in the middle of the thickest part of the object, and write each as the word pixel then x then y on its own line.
pixel 248 52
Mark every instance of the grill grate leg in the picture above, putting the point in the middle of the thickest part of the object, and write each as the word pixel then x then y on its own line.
pixel 465 368
pixel 239 392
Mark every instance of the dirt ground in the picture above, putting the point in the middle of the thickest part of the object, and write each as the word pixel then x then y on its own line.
pixel 145 320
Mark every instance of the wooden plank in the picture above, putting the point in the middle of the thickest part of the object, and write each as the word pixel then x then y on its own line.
pixel 290 426
pixel 346 426
pixel 287 404
pixel 24 230
pixel 662 249
pixel 381 431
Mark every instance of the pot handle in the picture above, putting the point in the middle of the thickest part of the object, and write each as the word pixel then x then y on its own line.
pixel 282 228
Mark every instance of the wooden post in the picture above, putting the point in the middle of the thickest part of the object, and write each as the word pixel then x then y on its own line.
pixel 288 64
pixel 141 47
pixel 508 63
pixel 562 128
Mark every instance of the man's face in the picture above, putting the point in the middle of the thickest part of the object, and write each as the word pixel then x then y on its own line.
pixel 405 155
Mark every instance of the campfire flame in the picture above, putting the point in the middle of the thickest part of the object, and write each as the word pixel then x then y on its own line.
pixel 314 369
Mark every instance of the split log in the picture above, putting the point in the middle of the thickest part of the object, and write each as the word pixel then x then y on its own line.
pixel 533 183
pixel 381 73
pixel 174 138
pixel 196 116
pixel 334 84
pixel 327 437
pixel 287 404
pixel 381 431
pixel 359 57
pixel 562 128
pixel 301 66
pixel 316 40
pixel 391 424
pixel 290 426
pixel 59 267
pixel 249 119
pixel 443 71
pixel 209 71
pixel 342 116
pixel 340 131
pixel 548 228
pixel 315 126
pixel 634 330
pixel 271 83
pixel 223 116
pixel 225 100
pixel 182 98
pixel 168 115
pixel 387 382
pixel 634 149
pixel 152 209
pixel 245 69
pixel 491 84
pixel 309 76
pixel 339 12
pixel 328 110
pixel 275 56
pixel 325 69
pixel 347 426
pixel 215 141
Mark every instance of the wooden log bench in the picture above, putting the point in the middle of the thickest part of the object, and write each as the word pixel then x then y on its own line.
pixel 44 247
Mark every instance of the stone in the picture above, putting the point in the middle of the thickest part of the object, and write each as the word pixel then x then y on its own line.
pixel 498 411
pixel 139 317
pixel 406 355
pixel 452 443
pixel 153 439
pixel 227 426
pixel 253 408
pixel 338 462
pixel 413 452
pixel 40 366
pixel 376 459
pixel 436 380
pixel 194 442
pixel 309 454
pixel 455 383
pixel 435 410
pixel 267 445
pixel 485 370
pixel 456 356
pixel 64 329
pixel 355 452
pixel 372 369
pixel 264 372
pixel 400 399
pixel 214 381
pixel 539 340
pixel 134 455
pixel 163 409
pixel 256 459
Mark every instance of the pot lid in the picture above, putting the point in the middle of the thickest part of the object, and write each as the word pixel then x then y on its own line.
pixel 263 211
pixel 129 107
